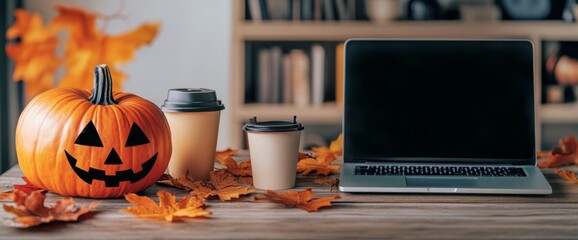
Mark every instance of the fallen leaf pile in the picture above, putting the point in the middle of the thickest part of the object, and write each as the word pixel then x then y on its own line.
pixel 302 199
pixel 320 162
pixel 35 54
pixel 30 210
pixel 168 209
pixel 565 154
pixel 568 175
pixel 222 184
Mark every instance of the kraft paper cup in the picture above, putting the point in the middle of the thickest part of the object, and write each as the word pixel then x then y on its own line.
pixel 274 149
pixel 193 115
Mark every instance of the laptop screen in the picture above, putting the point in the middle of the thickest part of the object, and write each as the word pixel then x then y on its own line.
pixel 439 100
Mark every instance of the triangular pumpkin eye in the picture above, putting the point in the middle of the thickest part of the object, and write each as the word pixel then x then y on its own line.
pixel 89 136
pixel 136 137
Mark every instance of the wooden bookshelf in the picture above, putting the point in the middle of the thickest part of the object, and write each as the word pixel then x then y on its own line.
pixel 246 31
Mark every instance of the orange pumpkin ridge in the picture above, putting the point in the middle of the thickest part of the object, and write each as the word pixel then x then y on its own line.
pixel 102 144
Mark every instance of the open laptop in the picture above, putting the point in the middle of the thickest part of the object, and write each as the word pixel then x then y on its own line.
pixel 440 116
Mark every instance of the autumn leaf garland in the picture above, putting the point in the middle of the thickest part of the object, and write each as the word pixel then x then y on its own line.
pixel 35 54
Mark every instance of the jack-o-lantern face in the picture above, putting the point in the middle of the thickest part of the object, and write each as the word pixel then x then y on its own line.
pixel 89 137
pixel 97 144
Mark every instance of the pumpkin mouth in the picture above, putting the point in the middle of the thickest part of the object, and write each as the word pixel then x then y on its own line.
pixel 111 180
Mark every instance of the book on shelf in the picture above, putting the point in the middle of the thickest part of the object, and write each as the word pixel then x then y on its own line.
pixel 264 79
pixel 303 10
pixel 276 75
pixel 296 10
pixel 317 7
pixel 255 10
pixel 351 9
pixel 296 73
pixel 328 10
pixel 287 79
pixel 317 74
pixel 341 10
pixel 279 9
pixel 300 75
pixel 307 10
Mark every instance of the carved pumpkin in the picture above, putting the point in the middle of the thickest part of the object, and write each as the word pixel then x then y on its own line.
pixel 98 145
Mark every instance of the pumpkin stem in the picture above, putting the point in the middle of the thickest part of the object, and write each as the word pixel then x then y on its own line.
pixel 102 89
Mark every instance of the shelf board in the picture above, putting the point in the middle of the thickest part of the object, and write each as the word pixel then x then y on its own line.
pixel 559 113
pixel 341 30
pixel 331 113
pixel 326 113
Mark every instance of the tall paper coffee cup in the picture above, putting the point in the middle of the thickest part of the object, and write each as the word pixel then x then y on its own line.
pixel 274 149
pixel 193 116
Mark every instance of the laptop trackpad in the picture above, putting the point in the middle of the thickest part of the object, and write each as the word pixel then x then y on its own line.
pixel 450 182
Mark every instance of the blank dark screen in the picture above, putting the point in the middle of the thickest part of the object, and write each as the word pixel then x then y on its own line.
pixel 439 99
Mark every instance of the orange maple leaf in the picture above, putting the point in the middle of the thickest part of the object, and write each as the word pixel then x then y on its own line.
pixel 30 210
pixel 35 54
pixel 242 169
pixel 88 47
pixel 227 153
pixel 168 209
pixel 568 175
pixel 8 195
pixel 302 199
pixel 564 155
pixel 28 187
pixel 335 148
pixel 319 165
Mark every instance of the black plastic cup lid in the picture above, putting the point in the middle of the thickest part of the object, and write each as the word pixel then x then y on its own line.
pixel 273 126
pixel 192 100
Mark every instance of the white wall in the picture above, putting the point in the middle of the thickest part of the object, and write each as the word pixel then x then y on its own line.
pixel 192 48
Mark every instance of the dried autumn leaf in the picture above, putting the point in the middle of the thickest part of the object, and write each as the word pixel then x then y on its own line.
pixel 242 169
pixel 88 47
pixel 332 182
pixel 564 155
pixel 28 187
pixel 568 175
pixel 335 148
pixel 222 155
pixel 168 209
pixel 30 210
pixel 302 199
pixel 35 54
pixel 303 155
pixel 319 165
pixel 6 196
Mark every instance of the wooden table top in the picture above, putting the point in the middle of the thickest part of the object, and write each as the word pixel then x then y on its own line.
pixel 367 216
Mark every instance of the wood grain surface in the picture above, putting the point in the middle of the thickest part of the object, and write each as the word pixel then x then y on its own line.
pixel 354 216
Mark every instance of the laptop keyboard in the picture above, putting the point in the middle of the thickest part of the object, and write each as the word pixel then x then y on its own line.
pixel 440 171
